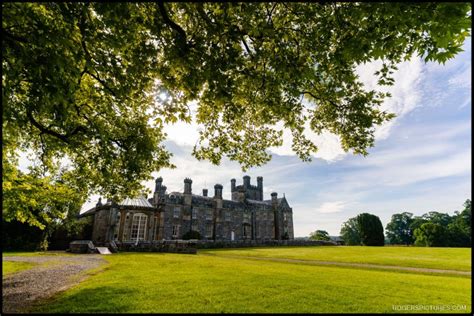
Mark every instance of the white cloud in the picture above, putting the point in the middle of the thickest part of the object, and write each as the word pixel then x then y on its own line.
pixel 329 146
pixel 331 207
pixel 406 96
pixel 462 79
pixel 406 92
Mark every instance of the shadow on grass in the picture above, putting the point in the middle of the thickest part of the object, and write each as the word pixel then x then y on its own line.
pixel 102 299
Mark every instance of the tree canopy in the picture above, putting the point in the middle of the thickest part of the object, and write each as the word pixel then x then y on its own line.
pixel 432 228
pixel 350 232
pixel 398 229
pixel 94 83
pixel 319 235
pixel 370 230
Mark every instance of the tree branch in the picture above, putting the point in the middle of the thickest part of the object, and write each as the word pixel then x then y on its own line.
pixel 102 82
pixel 14 37
pixel 45 130
pixel 173 25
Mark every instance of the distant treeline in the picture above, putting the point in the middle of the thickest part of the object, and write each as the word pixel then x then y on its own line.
pixel 433 229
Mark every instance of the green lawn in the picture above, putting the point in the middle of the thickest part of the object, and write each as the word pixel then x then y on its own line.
pixel 424 257
pixel 9 267
pixel 173 283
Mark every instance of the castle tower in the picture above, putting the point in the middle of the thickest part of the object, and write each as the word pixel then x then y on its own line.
pixel 187 186
pixel 246 182
pixel 158 190
pixel 218 191
pixel 187 191
pixel 276 214
pixel 240 194
pixel 232 185
pixel 260 188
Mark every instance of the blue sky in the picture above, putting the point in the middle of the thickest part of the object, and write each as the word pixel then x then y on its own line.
pixel 421 160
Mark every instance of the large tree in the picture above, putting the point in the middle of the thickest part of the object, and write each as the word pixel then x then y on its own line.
pixel 93 83
pixel 431 235
pixel 370 230
pixel 398 229
pixel 350 232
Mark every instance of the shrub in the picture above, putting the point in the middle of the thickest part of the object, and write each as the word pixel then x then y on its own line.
pixel 192 234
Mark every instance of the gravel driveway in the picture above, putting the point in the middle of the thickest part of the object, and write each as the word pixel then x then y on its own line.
pixel 52 274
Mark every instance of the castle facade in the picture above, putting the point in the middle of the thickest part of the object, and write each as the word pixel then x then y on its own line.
pixel 247 216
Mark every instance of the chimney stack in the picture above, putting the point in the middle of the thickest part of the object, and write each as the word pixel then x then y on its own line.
pixel 274 197
pixel 187 186
pixel 204 192
pixel 218 191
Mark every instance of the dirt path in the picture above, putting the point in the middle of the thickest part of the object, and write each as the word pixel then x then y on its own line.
pixel 52 274
pixel 349 264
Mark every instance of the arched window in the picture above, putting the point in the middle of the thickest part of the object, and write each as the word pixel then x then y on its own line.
pixel 138 227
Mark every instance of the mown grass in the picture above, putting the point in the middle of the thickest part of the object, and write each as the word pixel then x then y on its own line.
pixel 10 267
pixel 172 283
pixel 419 257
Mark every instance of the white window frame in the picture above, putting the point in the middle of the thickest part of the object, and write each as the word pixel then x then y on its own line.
pixel 138 229
pixel 209 215
pixel 117 226
pixel 176 230
pixel 209 230
pixel 176 212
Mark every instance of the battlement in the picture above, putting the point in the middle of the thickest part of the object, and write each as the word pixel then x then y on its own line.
pixel 246 190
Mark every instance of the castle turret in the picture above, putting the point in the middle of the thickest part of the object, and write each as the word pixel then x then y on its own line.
pixel 187 186
pixel 276 214
pixel 158 183
pixel 159 192
pixel 163 190
pixel 246 181
pixel 240 194
pixel 260 188
pixel 218 191
pixel 274 198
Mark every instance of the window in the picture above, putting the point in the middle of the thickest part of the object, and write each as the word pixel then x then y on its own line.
pixel 209 215
pixel 246 218
pixel 138 227
pixel 285 216
pixel 194 227
pixel 227 216
pixel 117 226
pixel 176 212
pixel 246 231
pixel 195 213
pixel 209 231
pixel 175 230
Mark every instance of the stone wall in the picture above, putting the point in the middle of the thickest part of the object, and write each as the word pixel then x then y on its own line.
pixel 191 246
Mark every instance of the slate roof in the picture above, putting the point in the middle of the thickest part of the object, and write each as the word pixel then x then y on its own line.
pixel 267 202
pixel 278 201
pixel 140 202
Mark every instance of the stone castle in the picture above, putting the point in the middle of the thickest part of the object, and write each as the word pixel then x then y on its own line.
pixel 167 216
